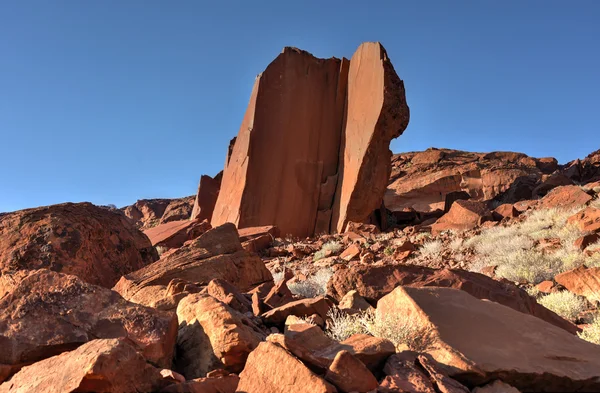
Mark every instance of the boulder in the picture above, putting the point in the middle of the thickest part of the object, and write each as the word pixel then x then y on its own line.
pixel 337 137
pixel 44 313
pixel 349 374
pixel 454 196
pixel 540 357
pixel 212 335
pixel 300 308
pixel 584 241
pixel 463 215
pixel 309 343
pixel 374 282
pixel 582 281
pixel 103 365
pixel 96 244
pixel 272 369
pixel 403 375
pixel 230 295
pixel 174 233
pixel 206 197
pixel 217 253
pixel 256 239
pixel 565 197
pixel 353 303
pixel 588 220
pixel 505 210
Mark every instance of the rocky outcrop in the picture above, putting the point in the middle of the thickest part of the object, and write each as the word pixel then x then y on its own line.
pixel 476 342
pixel 565 197
pixel 44 313
pixel 206 197
pixel 582 281
pixel 463 215
pixel 586 170
pixel 218 253
pixel 147 213
pixel 106 365
pixel 374 282
pixel 93 243
pixel 174 234
pixel 421 180
pixel 314 138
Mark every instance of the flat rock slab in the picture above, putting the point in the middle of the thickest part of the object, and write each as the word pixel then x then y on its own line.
pixel 478 341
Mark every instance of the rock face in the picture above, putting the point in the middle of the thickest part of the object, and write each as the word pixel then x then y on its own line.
pixel 582 281
pixel 206 197
pixel 147 213
pixel 93 243
pixel 218 253
pixel 272 369
pixel 212 336
pixel 108 365
pixel 44 313
pixel 477 341
pixel 312 141
pixel 421 180
pixel 374 282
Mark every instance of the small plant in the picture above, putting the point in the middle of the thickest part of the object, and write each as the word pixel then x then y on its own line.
pixel 422 236
pixel 592 332
pixel 398 329
pixel 564 303
pixel 596 202
pixel 533 291
pixel 332 246
pixel 432 248
pixel 389 251
pixel 313 286
pixel 456 244
pixel 161 250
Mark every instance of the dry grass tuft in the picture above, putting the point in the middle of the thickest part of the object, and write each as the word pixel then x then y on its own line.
pixel 564 303
pixel 332 246
pixel 313 286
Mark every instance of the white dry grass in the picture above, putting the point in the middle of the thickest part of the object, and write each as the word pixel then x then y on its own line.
pixel 313 286
pixel 431 248
pixel 564 303
pixel 591 333
pixel 398 329
pixel 512 248
pixel 332 246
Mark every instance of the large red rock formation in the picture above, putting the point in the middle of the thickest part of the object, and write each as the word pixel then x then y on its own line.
pixel 147 213
pixel 93 243
pixel 300 160
pixel 421 180
pixel 206 197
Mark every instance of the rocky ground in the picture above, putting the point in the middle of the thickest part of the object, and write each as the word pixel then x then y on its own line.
pixel 487 297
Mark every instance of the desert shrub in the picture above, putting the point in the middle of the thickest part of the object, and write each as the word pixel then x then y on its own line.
pixel 388 251
pixel 564 303
pixel 512 249
pixel 596 202
pixel 399 329
pixel 313 286
pixel 456 244
pixel 277 276
pixel 431 248
pixel 422 236
pixel 332 246
pixel 533 291
pixel 591 333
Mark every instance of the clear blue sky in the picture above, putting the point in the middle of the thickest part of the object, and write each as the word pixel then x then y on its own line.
pixel 112 101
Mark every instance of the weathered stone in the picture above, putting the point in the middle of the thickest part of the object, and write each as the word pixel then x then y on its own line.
pixel 105 365
pixel 299 308
pixel 403 375
pixel 212 335
pixel 44 313
pixel 439 377
pixel 216 384
pixel 90 242
pixel 272 369
pixel 351 252
pixel 352 302
pixel 339 137
pixel 588 220
pixel 217 253
pixel 206 197
pixel 373 282
pixel 586 240
pixel 454 196
pixel 582 281
pixel 349 374
pixel 505 210
pixel 230 295
pixel 540 356
pixel 174 234
pixel 565 197
pixel 463 215
pixel 496 387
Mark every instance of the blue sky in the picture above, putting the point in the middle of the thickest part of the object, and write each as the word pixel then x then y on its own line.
pixel 112 101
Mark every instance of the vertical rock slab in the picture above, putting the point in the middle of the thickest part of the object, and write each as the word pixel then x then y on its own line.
pixel 287 146
pixel 376 113
pixel 206 197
